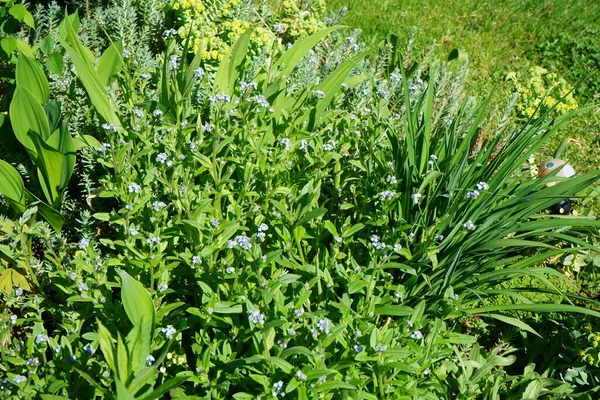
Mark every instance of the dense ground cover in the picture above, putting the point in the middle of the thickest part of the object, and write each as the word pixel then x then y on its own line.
pixel 195 209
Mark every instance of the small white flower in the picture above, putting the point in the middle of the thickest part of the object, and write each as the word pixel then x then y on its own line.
pixel 169 33
pixel 133 231
pixel 469 225
pixel 18 379
pixel 279 28
pixel 162 287
pixel 263 227
pixel 215 222
pixel 240 241
pixel 409 323
pixel 198 73
pixel 416 198
pixel 417 335
pixel 18 291
pixel 261 101
pixel 387 195
pixel 109 127
pixel 338 239
pixel 144 75
pixel 391 179
pixel 174 61
pixel 304 145
pixel 150 360
pixel 103 148
pixel 126 54
pixel 41 338
pixel 169 331
pixel 196 260
pixel 482 186
pixel 161 158
pixel 157 113
pixel 89 349
pixel 158 205
pixel 138 113
pixel 427 371
pixel 299 312
pixel 357 348
pixel 319 94
pixel 323 325
pixel 397 247
pixel 83 243
pixel 82 287
pixel 256 317
pixel 278 389
pixel 382 93
pixel 134 188
pixel 472 194
pixel 329 145
pixel 301 376
pixel 230 270
pixel 380 347
pixel 286 143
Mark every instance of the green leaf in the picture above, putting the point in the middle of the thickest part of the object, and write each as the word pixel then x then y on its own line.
pixel 106 346
pixel 540 308
pixel 394 310
pixel 168 385
pixel 22 15
pixel 82 60
pixel 122 360
pixel 290 59
pixel 227 307
pixel 12 187
pixel 312 214
pixel 54 169
pixel 29 75
pixel 55 63
pixel 27 114
pixel 137 301
pixel 229 69
pixel 110 63
pixel 50 214
pixel 514 322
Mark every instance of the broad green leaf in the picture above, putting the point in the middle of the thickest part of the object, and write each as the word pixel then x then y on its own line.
pixel 22 15
pixel 229 69
pixel 327 386
pixel 110 63
pixel 55 63
pixel 29 75
pixel 12 187
pixel 137 301
pixel 27 114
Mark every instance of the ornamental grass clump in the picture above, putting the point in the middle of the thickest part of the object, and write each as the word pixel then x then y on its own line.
pixel 264 235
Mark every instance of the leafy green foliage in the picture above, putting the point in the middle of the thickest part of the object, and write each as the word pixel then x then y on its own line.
pixel 318 222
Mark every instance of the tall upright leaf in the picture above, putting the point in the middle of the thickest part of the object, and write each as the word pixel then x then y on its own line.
pixel 229 69
pixel 29 75
pixel 27 114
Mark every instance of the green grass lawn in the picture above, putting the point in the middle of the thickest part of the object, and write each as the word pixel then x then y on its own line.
pixel 499 37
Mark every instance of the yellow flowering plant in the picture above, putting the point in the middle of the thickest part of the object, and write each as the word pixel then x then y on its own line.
pixel 540 92
pixel 214 25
